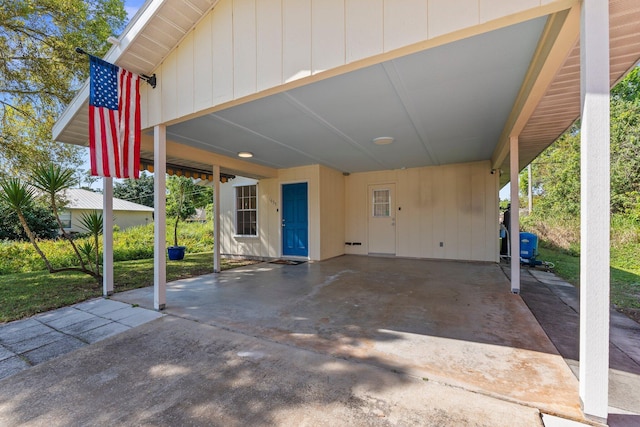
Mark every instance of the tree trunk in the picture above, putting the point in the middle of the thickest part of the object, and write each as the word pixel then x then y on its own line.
pixel 54 207
pixel 32 238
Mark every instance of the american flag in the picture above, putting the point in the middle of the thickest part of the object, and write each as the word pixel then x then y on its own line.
pixel 114 120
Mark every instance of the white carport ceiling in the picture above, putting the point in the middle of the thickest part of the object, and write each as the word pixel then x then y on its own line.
pixel 444 105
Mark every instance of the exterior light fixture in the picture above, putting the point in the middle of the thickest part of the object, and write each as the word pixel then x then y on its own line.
pixel 245 154
pixel 383 140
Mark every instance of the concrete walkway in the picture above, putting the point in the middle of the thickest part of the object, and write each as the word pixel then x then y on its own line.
pixel 555 304
pixel 28 342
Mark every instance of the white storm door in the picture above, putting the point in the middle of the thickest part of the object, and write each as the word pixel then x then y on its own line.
pixel 382 219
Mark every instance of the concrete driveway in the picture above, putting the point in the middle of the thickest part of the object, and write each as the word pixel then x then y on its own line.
pixel 352 340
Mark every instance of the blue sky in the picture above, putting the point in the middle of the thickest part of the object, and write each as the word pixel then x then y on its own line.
pixel 132 6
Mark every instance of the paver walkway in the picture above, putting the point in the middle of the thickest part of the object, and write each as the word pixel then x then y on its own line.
pixel 28 342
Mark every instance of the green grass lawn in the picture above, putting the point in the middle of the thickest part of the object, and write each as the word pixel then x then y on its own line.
pixel 26 294
pixel 625 274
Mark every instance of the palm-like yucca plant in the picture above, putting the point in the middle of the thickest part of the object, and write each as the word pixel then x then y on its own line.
pixel 93 223
pixel 52 180
pixel 20 196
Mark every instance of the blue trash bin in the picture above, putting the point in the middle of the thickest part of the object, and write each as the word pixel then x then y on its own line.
pixel 528 246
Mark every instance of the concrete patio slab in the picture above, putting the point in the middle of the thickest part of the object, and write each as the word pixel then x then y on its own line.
pixel 85 325
pixel 46 336
pixel 5 353
pixel 14 334
pixel 69 319
pixel 180 372
pixel 35 342
pixel 101 306
pixel 451 322
pixel 102 332
pixel 53 350
pixel 12 366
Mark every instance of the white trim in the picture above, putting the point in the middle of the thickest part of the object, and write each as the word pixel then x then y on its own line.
pixel 235 211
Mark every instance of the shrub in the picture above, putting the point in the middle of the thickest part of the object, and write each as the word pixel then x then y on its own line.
pixel 130 244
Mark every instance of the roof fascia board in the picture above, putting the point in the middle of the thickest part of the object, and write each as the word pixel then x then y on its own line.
pixel 559 37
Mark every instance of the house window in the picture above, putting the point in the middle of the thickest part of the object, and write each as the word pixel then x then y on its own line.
pixel 381 203
pixel 65 218
pixel 246 211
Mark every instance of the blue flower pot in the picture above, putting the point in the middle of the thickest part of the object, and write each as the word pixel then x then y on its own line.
pixel 176 253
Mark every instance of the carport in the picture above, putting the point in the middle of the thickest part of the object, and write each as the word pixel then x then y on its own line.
pixel 468 93
pixel 450 323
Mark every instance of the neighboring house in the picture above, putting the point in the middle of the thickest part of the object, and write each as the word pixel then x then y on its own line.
pixel 125 214
pixel 374 126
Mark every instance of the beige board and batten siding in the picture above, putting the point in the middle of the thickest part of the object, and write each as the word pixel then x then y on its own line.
pixel 453 204
pixel 243 47
pixel 326 214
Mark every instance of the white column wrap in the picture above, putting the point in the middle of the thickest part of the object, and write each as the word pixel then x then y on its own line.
pixel 594 210
pixel 160 217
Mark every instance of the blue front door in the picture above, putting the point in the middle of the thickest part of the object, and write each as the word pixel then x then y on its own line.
pixel 295 220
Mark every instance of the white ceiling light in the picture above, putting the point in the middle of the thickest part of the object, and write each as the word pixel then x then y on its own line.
pixel 245 154
pixel 383 140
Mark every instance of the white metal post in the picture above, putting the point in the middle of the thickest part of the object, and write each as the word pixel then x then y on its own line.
pixel 159 215
pixel 594 209
pixel 107 236
pixel 216 219
pixel 515 215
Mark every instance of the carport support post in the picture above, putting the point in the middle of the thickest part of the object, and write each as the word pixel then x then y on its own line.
pixel 216 218
pixel 107 236
pixel 594 209
pixel 514 166
pixel 159 217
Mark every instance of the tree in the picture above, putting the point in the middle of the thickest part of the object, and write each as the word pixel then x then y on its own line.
pixel 183 200
pixel 557 169
pixel 40 71
pixel 136 190
pixel 38 217
pixel 52 180
pixel 557 177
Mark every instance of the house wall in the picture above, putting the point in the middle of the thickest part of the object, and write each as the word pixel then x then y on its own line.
pixel 332 212
pixel 244 47
pixel 454 204
pixel 268 242
pixel 123 219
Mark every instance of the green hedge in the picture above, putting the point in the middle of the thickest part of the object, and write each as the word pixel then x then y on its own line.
pixel 131 244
